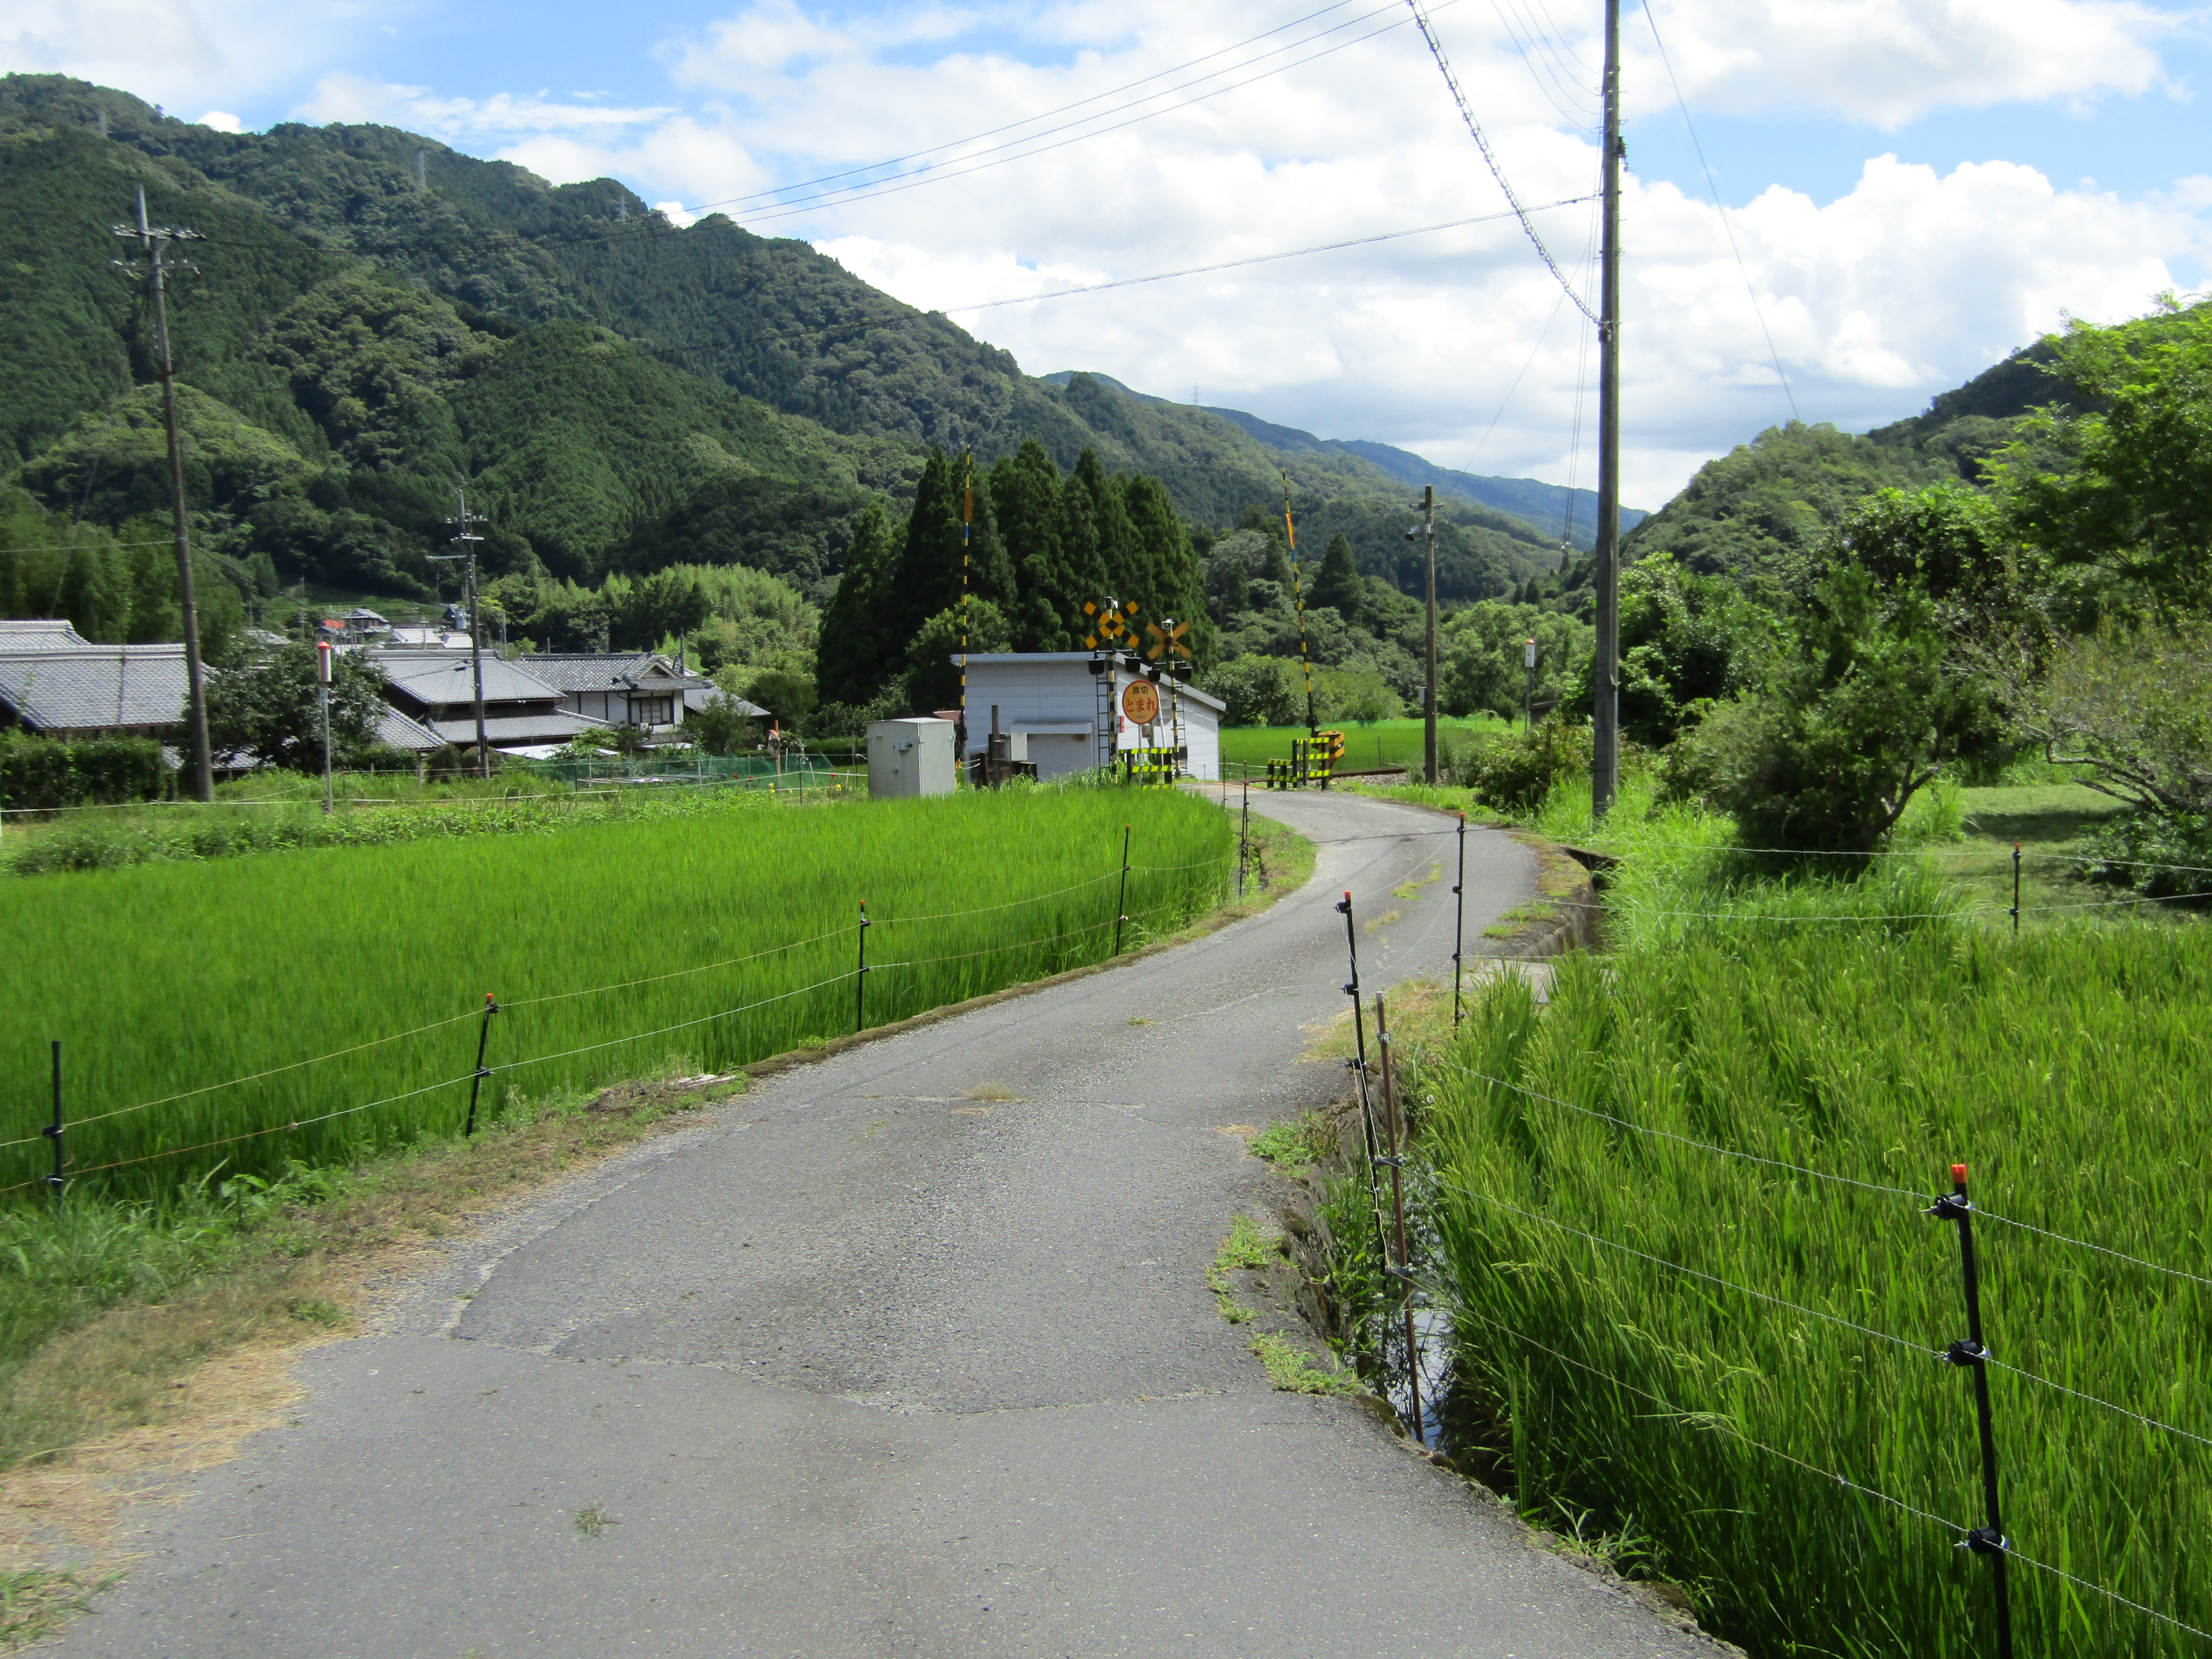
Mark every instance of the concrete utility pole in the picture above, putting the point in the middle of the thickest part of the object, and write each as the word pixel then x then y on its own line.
pixel 153 239
pixel 1429 693
pixel 1605 717
pixel 466 540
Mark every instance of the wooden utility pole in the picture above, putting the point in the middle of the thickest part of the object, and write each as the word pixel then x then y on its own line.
pixel 1605 717
pixel 1429 692
pixel 466 539
pixel 153 239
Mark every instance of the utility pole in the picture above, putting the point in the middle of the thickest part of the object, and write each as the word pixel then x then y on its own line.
pixel 1605 718
pixel 153 239
pixel 1429 693
pixel 466 540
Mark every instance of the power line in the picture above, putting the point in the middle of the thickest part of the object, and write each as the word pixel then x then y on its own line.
pixel 1758 310
pixel 1497 171
pixel 1259 258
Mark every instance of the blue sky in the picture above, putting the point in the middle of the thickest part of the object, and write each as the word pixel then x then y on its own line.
pixel 1913 187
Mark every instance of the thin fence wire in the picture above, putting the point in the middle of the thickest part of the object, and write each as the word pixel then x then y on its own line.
pixel 2091 1399
pixel 680 1026
pixel 1693 1273
pixel 1702 1145
pixel 2012 1553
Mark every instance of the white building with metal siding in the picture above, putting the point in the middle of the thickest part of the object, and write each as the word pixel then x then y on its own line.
pixel 1070 718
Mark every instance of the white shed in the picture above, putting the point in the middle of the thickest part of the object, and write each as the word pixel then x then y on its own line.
pixel 1072 719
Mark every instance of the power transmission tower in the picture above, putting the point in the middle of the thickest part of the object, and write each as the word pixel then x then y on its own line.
pixel 1605 718
pixel 154 240
pixel 466 540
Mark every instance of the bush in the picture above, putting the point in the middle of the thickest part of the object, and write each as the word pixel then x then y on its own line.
pixel 51 772
pixel 1517 771
pixel 2120 851
pixel 1259 690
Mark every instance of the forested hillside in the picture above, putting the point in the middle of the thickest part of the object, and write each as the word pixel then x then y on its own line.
pixel 373 317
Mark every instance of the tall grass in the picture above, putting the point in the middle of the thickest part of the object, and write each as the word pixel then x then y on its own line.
pixel 167 983
pixel 2069 1069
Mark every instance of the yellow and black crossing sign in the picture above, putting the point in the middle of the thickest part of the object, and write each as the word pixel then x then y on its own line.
pixel 1167 641
pixel 1109 622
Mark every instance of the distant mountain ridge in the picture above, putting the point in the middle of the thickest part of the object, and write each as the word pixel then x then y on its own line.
pixel 1564 514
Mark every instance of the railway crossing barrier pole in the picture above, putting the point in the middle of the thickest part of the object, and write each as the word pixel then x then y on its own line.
pixel 53 1131
pixel 1121 904
pixel 1405 1275
pixel 1972 1352
pixel 2015 889
pixel 860 976
pixel 1459 919
pixel 477 1078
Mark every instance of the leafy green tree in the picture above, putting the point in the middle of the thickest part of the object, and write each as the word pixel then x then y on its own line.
pixel 790 697
pixel 1856 717
pixel 1175 588
pixel 932 677
pixel 269 711
pixel 1026 498
pixel 2132 500
pixel 1482 651
pixel 719 726
pixel 1259 690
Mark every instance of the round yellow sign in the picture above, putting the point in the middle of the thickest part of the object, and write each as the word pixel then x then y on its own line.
pixel 1141 701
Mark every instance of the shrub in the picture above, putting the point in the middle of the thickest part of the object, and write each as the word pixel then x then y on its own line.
pixel 51 772
pixel 1517 771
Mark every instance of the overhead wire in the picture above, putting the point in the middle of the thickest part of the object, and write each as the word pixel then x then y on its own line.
pixel 1256 259
pixel 1482 142
pixel 1743 270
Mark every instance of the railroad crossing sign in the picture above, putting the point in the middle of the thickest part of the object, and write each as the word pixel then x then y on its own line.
pixel 1140 702
pixel 1109 622
pixel 1167 641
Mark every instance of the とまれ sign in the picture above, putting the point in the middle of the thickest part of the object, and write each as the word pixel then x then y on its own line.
pixel 1140 702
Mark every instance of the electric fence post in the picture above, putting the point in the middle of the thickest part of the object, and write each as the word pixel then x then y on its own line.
pixel 1459 919
pixel 860 977
pixel 1358 1064
pixel 56 1181
pixel 1244 837
pixel 1404 1269
pixel 477 1078
pixel 1121 904
pixel 2015 889
pixel 1972 1352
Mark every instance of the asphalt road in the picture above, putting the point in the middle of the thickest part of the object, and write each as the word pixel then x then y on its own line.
pixel 861 1366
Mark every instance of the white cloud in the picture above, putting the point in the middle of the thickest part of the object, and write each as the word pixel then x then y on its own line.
pixel 222 121
pixel 344 97
pixel 1887 61
pixel 180 52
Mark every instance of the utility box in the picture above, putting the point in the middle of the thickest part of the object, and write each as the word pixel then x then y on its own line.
pixel 909 758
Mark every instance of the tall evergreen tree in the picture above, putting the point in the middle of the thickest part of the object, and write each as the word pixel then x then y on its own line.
pixel 1177 588
pixel 1082 560
pixel 1025 499
pixel 854 656
pixel 1124 567
pixel 1337 583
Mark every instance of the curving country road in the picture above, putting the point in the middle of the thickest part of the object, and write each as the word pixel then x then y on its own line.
pixel 859 1366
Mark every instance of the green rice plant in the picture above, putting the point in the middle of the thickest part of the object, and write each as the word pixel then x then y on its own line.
pixel 309 1006
pixel 1699 1340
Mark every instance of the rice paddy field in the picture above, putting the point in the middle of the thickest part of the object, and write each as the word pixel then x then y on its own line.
pixel 317 1004
pixel 1385 743
pixel 1678 1219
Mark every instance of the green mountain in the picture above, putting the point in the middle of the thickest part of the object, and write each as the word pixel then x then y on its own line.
pixel 385 316
pixel 1770 500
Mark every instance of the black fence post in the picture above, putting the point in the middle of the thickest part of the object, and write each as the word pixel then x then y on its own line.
pixel 1973 1353
pixel 2015 889
pixel 57 1180
pixel 860 977
pixel 1121 904
pixel 1459 919
pixel 1359 1066
pixel 475 1082
pixel 1244 837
